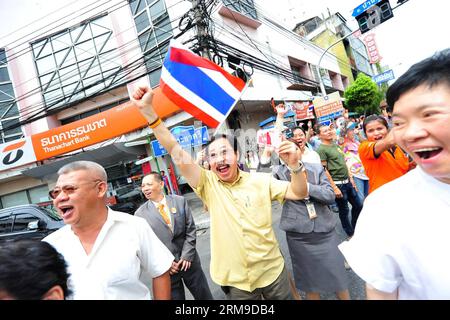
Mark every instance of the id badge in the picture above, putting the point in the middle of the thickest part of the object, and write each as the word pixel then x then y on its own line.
pixel 311 210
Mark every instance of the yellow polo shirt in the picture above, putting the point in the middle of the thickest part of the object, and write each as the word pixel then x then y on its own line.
pixel 244 250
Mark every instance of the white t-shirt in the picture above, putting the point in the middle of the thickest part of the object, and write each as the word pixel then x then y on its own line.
pixel 310 156
pixel 125 247
pixel 402 238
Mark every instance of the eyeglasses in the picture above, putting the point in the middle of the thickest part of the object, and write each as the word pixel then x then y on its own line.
pixel 68 189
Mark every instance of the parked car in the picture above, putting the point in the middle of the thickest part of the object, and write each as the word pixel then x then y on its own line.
pixel 129 198
pixel 28 221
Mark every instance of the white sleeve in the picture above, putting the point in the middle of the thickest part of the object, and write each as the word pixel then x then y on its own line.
pixel 371 251
pixel 156 259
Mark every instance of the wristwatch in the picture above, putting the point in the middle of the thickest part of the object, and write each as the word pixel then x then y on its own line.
pixel 300 168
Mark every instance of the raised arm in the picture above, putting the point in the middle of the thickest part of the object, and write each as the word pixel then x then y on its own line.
pixel 297 189
pixel 383 144
pixel 142 98
pixel 281 111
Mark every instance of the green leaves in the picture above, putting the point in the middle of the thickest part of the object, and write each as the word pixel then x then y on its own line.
pixel 363 96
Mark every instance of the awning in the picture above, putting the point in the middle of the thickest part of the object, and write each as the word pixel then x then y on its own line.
pixel 302 87
pixel 288 114
pixel 106 156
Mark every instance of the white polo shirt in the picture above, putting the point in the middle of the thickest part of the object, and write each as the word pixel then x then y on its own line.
pixel 401 238
pixel 125 247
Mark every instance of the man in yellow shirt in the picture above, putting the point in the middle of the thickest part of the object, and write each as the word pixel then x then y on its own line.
pixel 245 257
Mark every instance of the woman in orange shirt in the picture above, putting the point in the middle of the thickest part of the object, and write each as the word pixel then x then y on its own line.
pixel 382 159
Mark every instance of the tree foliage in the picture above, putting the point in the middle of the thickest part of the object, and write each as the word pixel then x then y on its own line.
pixel 363 96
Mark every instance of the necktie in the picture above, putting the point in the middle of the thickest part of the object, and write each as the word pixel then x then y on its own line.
pixel 164 214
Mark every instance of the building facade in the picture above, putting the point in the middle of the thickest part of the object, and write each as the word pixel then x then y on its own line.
pixel 85 57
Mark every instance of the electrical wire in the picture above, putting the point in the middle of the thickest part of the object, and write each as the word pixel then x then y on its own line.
pixel 269 66
pixel 75 61
pixel 104 56
pixel 126 71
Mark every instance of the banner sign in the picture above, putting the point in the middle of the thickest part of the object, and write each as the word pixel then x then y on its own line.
pixel 268 137
pixel 363 7
pixel 88 131
pixel 303 110
pixel 372 49
pixel 328 107
pixel 82 133
pixel 384 77
pixel 187 137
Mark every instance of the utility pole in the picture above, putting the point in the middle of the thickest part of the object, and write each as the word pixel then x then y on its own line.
pixel 322 86
pixel 198 7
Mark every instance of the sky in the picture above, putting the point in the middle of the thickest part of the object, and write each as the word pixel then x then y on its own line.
pixel 418 29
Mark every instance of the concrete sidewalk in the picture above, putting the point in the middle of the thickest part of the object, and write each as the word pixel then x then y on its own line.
pixel 201 217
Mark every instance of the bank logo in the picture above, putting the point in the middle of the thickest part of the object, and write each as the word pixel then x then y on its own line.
pixel 13 153
pixel 16 153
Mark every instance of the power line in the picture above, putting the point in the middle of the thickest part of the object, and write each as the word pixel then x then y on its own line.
pixel 50 104
pixel 112 53
pixel 36 38
pixel 115 53
pixel 34 21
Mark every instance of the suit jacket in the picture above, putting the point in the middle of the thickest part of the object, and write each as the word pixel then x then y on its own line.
pixel 181 242
pixel 294 215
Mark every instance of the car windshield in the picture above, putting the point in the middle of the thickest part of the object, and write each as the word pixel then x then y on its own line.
pixel 51 212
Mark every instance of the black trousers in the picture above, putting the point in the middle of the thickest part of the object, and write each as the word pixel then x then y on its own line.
pixel 195 280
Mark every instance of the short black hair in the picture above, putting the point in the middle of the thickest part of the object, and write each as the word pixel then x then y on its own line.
pixel 389 109
pixel 232 140
pixel 298 128
pixel 432 71
pixel 317 127
pixel 156 175
pixel 29 269
pixel 372 118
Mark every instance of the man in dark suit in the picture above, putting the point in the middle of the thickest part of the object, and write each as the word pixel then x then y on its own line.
pixel 171 219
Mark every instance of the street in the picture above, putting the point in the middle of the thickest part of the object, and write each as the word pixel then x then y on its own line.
pixel 356 285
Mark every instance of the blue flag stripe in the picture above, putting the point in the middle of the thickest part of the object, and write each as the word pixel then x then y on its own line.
pixel 200 84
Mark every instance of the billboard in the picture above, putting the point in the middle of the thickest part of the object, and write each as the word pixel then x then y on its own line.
pixel 328 107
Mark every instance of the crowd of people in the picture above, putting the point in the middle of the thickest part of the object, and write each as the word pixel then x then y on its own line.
pixel 396 227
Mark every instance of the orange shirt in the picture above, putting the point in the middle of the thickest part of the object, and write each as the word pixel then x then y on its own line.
pixel 383 169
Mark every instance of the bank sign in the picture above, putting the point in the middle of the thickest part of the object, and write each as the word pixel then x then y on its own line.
pixel 384 77
pixel 70 137
pixel 187 137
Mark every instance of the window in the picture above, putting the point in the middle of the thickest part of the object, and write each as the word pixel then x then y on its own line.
pixel 300 70
pixel 154 30
pixel 246 7
pixel 9 113
pixel 33 195
pixel 15 199
pixel 76 63
pixel 39 194
pixel 5 224
pixel 21 221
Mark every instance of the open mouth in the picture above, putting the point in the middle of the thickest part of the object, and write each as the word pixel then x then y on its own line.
pixel 427 153
pixel 65 211
pixel 223 168
pixel 147 194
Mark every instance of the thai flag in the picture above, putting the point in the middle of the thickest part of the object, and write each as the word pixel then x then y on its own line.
pixel 199 86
